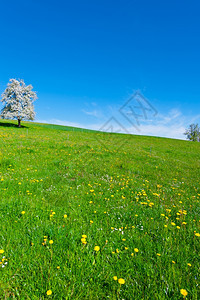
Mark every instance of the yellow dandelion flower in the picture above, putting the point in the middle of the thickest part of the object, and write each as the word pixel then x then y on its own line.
pixel 51 242
pixel 173 261
pixel 115 277
pixel 189 264
pixel 1 251
pixel 197 234
pixel 183 292
pixel 49 292
pixel 126 248
pixel 136 250
pixel 91 222
pixel 121 281
pixel 173 224
pixel 158 254
pixel 96 248
pixel 83 240
pixel 23 212
pixel 84 236
pixel 65 216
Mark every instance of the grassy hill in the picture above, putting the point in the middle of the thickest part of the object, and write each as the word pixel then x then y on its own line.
pixel 87 215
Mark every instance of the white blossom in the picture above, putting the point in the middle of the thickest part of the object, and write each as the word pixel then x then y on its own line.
pixel 18 101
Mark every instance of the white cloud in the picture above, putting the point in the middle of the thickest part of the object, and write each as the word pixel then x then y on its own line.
pixel 60 122
pixel 173 115
pixel 171 124
pixel 194 119
pixel 93 113
pixel 171 131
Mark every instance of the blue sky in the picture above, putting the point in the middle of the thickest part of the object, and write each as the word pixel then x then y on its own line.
pixel 86 58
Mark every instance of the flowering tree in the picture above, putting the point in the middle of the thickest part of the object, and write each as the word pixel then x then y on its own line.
pixel 18 101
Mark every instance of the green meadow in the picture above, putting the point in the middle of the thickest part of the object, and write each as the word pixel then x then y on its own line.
pixel 88 215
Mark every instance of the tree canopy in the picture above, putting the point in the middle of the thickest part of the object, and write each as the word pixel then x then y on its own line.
pixel 18 101
pixel 193 133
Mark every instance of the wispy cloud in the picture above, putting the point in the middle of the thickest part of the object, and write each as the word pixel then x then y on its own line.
pixel 172 124
pixel 92 109
pixel 195 119
pixel 60 122
pixel 93 113
pixel 173 115
pixel 170 131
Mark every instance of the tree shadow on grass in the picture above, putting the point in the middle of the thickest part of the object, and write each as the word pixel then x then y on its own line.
pixel 11 125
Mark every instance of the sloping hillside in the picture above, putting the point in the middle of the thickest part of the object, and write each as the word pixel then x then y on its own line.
pixel 87 215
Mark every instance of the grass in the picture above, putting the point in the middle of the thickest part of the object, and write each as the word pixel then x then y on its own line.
pixel 135 197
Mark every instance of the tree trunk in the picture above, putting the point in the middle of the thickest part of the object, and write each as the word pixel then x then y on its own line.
pixel 19 123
